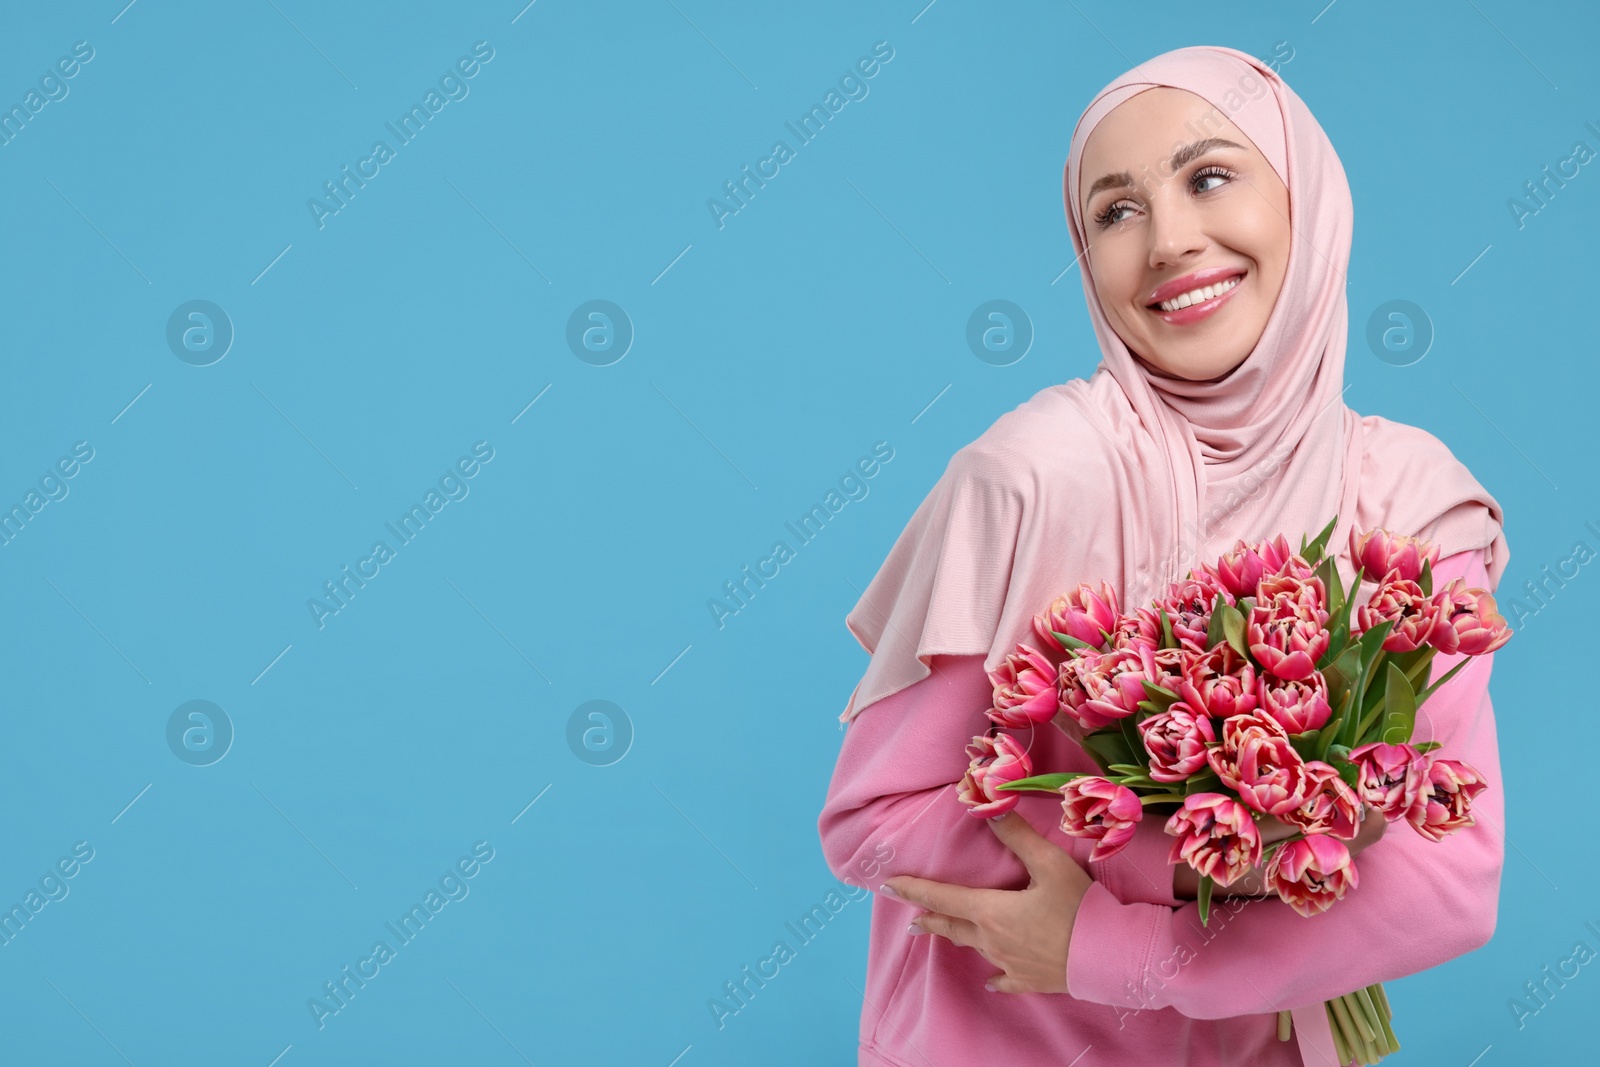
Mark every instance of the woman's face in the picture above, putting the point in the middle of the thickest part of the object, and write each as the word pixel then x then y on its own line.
pixel 1164 219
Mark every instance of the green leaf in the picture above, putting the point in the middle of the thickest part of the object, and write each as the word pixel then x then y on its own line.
pixel 1204 897
pixel 1426 746
pixel 1350 599
pixel 1204 782
pixel 1068 641
pixel 1372 640
pixel 1313 551
pixel 1400 708
pixel 1233 626
pixel 1044 783
pixel 1449 674
pixel 1351 773
pixel 1331 729
pixel 1338 638
pixel 1426 578
pixel 1128 768
pixel 1108 747
pixel 1328 571
pixel 1307 744
pixel 1215 632
pixel 1161 698
pixel 1341 671
pixel 1130 733
pixel 1167 640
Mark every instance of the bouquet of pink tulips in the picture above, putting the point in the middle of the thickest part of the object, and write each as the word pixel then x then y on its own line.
pixel 1255 687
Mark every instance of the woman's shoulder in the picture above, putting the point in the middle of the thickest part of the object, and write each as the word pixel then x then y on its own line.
pixel 1412 482
pixel 1047 439
pixel 1401 449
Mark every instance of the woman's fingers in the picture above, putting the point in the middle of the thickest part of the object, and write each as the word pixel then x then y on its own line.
pixel 959 931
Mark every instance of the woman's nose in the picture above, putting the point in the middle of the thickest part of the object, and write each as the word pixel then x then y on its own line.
pixel 1175 234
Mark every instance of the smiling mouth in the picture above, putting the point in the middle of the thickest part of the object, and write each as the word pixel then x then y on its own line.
pixel 1197 296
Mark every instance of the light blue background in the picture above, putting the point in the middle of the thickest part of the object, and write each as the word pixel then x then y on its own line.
pixel 825 316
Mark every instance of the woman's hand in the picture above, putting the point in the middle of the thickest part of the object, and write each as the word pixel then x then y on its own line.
pixel 1186 880
pixel 1024 932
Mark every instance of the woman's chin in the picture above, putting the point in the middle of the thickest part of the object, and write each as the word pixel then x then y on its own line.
pixel 1189 370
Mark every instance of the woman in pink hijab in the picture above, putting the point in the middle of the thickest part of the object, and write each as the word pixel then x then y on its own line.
pixel 1212 220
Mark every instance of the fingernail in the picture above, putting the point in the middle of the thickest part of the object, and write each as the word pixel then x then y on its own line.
pixel 888 890
pixel 915 929
pixel 990 987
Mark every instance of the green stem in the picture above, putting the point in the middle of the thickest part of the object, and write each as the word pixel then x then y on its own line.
pixel 1449 674
pixel 1158 798
pixel 1371 717
pixel 1340 1047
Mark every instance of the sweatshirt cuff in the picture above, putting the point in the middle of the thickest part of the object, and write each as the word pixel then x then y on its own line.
pixel 1141 871
pixel 1112 947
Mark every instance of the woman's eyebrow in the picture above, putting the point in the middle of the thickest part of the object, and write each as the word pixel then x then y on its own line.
pixel 1180 156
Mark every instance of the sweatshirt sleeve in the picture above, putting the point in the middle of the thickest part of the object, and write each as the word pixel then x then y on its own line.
pixel 1418 903
pixel 891 807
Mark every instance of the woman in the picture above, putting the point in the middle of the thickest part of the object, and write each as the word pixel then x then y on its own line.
pixel 1212 222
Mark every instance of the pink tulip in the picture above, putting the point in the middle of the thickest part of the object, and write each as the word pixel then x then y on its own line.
pixel 1189 603
pixel 1307 591
pixel 995 761
pixel 1445 803
pixel 1311 873
pixel 1220 682
pixel 1098 688
pixel 1400 601
pixel 1286 634
pixel 1024 689
pixel 1294 566
pixel 1468 621
pixel 1101 810
pixel 1393 777
pixel 1081 613
pixel 1255 759
pixel 1176 740
pixel 1140 626
pixel 1296 706
pixel 1168 664
pixel 1331 806
pixel 1216 835
pixel 1241 569
pixel 1378 553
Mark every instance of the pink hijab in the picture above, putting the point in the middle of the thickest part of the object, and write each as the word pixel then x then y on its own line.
pixel 1132 477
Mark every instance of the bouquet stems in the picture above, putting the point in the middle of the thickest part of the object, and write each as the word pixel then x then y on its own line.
pixel 1360 1025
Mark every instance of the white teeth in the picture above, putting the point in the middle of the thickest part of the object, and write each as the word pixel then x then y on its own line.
pixel 1195 296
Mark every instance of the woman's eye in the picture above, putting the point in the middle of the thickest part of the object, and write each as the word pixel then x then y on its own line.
pixel 1112 215
pixel 1222 176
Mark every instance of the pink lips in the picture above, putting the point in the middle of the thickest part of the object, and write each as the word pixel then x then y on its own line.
pixel 1198 280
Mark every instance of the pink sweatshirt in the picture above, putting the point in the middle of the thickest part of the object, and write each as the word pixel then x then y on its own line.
pixel 1147 983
